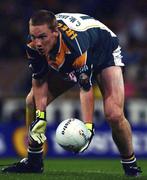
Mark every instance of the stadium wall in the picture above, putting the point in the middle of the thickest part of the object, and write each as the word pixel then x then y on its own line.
pixel 13 136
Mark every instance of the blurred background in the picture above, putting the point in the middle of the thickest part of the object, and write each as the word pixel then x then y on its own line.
pixel 127 19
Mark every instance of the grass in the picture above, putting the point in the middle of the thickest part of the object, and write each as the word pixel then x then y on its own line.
pixel 77 169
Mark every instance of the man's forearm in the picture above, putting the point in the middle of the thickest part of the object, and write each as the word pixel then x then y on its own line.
pixel 87 105
pixel 40 92
pixel 38 126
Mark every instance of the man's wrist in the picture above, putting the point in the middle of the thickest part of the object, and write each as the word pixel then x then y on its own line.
pixel 40 114
pixel 89 125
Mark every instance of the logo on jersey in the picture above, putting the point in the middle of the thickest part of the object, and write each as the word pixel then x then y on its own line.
pixel 71 77
pixel 69 32
pixel 82 69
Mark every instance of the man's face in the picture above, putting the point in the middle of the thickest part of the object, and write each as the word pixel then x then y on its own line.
pixel 43 38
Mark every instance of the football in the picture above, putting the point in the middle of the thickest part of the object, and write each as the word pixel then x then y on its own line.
pixel 72 134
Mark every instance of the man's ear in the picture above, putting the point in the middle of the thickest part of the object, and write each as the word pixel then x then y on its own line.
pixel 56 29
pixel 56 33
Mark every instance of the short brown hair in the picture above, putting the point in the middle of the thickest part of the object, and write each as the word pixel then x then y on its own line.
pixel 44 17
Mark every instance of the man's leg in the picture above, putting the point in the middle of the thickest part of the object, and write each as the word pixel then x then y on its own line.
pixel 112 87
pixel 56 87
pixel 35 150
pixel 34 162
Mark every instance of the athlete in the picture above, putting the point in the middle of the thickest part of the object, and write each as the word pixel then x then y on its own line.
pixel 65 50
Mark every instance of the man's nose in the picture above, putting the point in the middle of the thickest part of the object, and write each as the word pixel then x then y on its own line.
pixel 38 42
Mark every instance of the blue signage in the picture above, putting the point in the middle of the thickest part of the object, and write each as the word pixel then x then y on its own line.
pixel 13 142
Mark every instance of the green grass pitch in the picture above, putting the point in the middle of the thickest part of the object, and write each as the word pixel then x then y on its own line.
pixel 77 169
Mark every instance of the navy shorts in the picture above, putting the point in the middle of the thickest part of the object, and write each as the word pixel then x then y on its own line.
pixel 110 55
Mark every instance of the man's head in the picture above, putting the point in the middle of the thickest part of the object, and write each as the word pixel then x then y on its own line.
pixel 43 30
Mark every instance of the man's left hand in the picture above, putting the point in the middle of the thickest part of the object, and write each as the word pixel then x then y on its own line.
pixel 90 127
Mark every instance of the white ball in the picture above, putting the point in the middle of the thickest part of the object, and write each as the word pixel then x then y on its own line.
pixel 72 134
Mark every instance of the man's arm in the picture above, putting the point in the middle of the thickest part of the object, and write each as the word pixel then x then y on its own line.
pixel 39 68
pixel 87 105
pixel 38 126
pixel 84 77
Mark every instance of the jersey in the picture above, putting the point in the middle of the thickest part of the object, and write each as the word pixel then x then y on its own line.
pixel 84 47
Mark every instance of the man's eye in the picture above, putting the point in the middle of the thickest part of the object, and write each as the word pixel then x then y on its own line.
pixel 42 37
pixel 39 37
pixel 32 37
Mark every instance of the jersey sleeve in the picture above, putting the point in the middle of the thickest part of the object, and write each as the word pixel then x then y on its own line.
pixel 37 63
pixel 84 77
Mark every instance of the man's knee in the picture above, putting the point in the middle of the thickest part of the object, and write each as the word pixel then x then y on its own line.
pixel 114 116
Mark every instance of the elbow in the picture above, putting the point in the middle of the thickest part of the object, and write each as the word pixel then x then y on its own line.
pixel 38 82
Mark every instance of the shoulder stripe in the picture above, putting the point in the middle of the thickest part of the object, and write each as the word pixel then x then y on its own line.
pixel 80 61
pixel 78 46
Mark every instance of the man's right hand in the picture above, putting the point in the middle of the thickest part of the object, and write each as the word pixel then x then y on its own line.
pixel 38 127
